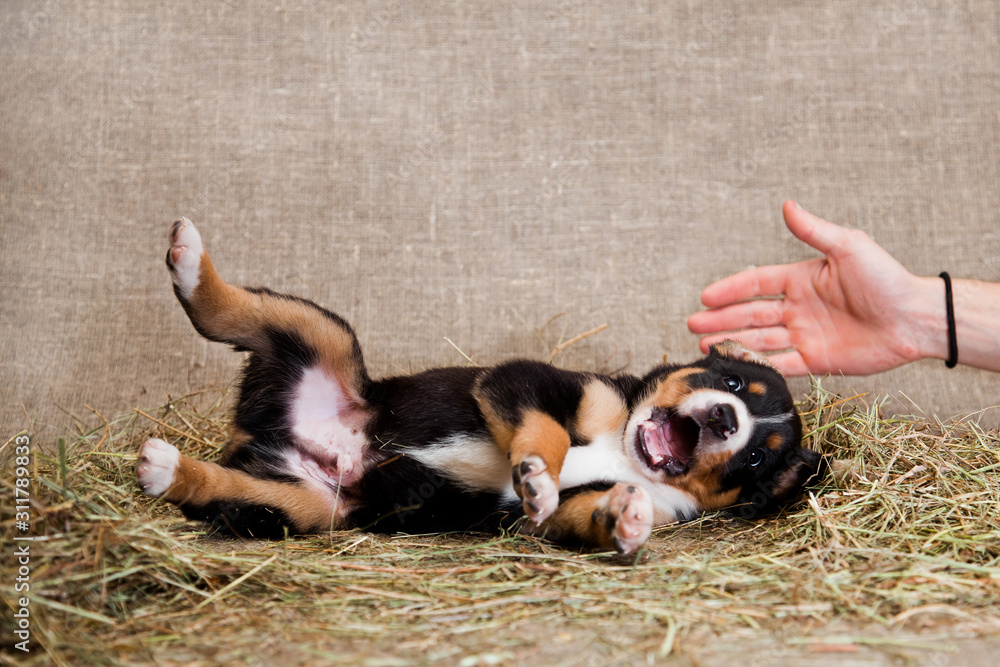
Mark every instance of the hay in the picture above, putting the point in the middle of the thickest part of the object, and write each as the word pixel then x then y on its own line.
pixel 905 535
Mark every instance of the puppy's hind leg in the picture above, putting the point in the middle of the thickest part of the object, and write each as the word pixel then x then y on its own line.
pixel 219 311
pixel 234 501
pixel 184 259
pixel 305 381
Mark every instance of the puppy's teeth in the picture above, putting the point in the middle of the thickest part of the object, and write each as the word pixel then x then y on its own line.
pixel 648 425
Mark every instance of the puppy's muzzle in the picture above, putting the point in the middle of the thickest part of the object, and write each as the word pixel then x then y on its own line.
pixel 719 418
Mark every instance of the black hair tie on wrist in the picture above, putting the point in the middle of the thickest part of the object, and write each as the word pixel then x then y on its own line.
pixel 949 303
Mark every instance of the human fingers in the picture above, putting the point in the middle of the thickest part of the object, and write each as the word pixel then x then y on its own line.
pixel 812 230
pixel 789 364
pixel 762 281
pixel 768 339
pixel 745 315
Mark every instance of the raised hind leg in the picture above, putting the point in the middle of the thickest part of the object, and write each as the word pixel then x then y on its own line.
pixel 250 318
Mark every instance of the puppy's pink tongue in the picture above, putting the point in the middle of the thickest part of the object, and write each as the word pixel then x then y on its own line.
pixel 656 437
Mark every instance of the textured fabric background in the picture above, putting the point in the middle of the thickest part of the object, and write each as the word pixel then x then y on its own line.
pixel 469 170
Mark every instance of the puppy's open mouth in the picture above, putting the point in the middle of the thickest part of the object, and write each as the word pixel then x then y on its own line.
pixel 666 441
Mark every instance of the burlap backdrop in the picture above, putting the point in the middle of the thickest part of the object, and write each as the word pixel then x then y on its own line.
pixel 469 170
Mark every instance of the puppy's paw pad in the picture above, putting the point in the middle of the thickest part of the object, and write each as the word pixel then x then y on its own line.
pixel 184 256
pixel 539 491
pixel 631 509
pixel 157 466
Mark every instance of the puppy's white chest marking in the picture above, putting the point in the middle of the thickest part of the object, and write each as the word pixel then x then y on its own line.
pixel 479 464
pixel 601 460
pixel 320 415
pixel 473 463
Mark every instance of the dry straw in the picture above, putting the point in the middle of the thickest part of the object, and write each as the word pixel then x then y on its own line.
pixel 905 535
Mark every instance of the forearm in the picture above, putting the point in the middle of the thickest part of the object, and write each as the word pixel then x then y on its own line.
pixel 977 321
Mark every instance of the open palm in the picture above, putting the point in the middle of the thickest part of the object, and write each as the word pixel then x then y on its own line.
pixel 843 313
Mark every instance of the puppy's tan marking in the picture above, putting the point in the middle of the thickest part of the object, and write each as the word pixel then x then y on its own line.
pixel 601 411
pixel 237 439
pixel 575 518
pixel 199 483
pixel 775 441
pixel 673 388
pixel 757 388
pixel 702 481
pixel 501 430
pixel 540 435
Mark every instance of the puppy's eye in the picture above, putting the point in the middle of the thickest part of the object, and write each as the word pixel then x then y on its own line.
pixel 756 458
pixel 732 383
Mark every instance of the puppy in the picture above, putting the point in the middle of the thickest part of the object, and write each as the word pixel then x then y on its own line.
pixel 580 458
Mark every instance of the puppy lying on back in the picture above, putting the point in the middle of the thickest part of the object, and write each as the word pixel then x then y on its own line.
pixel 588 459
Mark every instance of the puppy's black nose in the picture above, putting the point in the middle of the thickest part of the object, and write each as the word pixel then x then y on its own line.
pixel 722 420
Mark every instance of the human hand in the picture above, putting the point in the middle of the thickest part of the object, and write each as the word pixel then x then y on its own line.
pixel 856 311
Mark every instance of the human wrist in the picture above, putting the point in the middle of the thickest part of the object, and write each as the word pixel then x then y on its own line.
pixel 927 319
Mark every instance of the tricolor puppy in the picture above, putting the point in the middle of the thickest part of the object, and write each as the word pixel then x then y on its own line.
pixel 590 460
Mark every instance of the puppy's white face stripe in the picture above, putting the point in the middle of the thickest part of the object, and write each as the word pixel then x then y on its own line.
pixel 775 419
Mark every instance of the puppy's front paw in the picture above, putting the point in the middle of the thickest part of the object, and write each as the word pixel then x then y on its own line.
pixel 539 491
pixel 157 466
pixel 184 256
pixel 629 517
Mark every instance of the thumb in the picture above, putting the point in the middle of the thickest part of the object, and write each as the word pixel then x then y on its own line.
pixel 820 234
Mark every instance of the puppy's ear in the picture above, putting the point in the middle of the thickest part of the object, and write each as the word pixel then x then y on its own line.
pixel 730 349
pixel 805 466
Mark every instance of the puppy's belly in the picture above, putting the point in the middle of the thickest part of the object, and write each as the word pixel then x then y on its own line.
pixel 326 426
